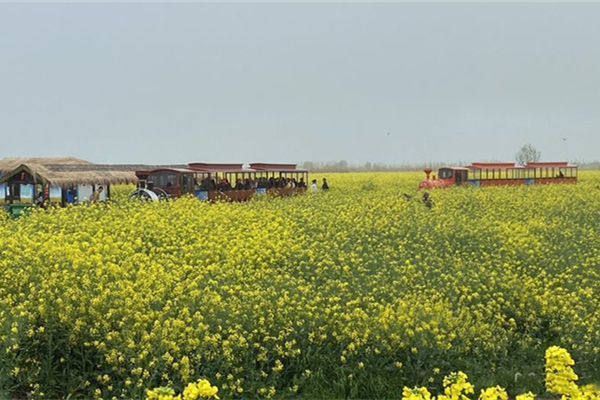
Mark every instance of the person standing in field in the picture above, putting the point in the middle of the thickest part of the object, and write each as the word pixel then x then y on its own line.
pixel 325 186
pixel 96 195
pixel 313 186
pixel 427 200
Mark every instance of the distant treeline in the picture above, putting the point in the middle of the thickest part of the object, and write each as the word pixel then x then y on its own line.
pixel 344 166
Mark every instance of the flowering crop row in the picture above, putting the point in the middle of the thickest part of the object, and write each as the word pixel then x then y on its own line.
pixel 350 293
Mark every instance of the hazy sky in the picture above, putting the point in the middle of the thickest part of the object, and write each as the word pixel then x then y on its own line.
pixel 289 82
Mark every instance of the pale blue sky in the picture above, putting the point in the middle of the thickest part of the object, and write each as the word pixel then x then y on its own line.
pixel 291 82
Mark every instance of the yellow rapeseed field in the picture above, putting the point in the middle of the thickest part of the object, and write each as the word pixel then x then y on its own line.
pixel 354 293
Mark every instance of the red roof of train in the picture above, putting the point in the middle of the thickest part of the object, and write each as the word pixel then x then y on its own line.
pixel 493 165
pixel 275 167
pixel 208 167
pixel 539 164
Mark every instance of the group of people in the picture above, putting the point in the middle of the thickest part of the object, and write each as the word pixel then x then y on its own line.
pixel 210 184
pixel 223 185
pixel 425 199
pixel 324 185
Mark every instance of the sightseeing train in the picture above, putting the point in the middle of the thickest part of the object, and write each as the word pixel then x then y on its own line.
pixel 229 182
pixel 501 173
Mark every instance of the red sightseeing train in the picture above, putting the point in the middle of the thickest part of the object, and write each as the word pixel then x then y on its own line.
pixel 504 173
pixel 231 182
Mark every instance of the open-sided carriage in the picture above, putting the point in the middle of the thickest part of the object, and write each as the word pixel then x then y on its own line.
pixel 214 182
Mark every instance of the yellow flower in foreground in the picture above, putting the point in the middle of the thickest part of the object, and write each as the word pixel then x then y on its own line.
pixel 162 393
pixel 415 393
pixel 202 388
pixel 526 396
pixel 493 393
pixel 560 377
pixel 456 387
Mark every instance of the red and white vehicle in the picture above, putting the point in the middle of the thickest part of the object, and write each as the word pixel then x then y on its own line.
pixel 504 173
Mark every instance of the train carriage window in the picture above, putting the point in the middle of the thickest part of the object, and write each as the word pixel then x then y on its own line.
pixel 474 174
pixel 445 173
pixel 164 179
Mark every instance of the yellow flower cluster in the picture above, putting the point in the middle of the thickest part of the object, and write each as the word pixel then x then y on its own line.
pixel 456 387
pixel 162 393
pixel 560 379
pixel 493 393
pixel 416 393
pixel 200 389
pixel 350 293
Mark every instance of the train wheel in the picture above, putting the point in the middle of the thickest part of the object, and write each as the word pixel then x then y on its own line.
pixel 143 194
pixel 162 195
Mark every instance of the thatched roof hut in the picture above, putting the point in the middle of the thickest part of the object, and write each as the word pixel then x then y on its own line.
pixel 69 171
pixel 59 175
pixel 10 163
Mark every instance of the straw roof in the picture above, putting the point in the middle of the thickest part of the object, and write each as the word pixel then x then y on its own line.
pixel 10 163
pixel 70 171
pixel 65 178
